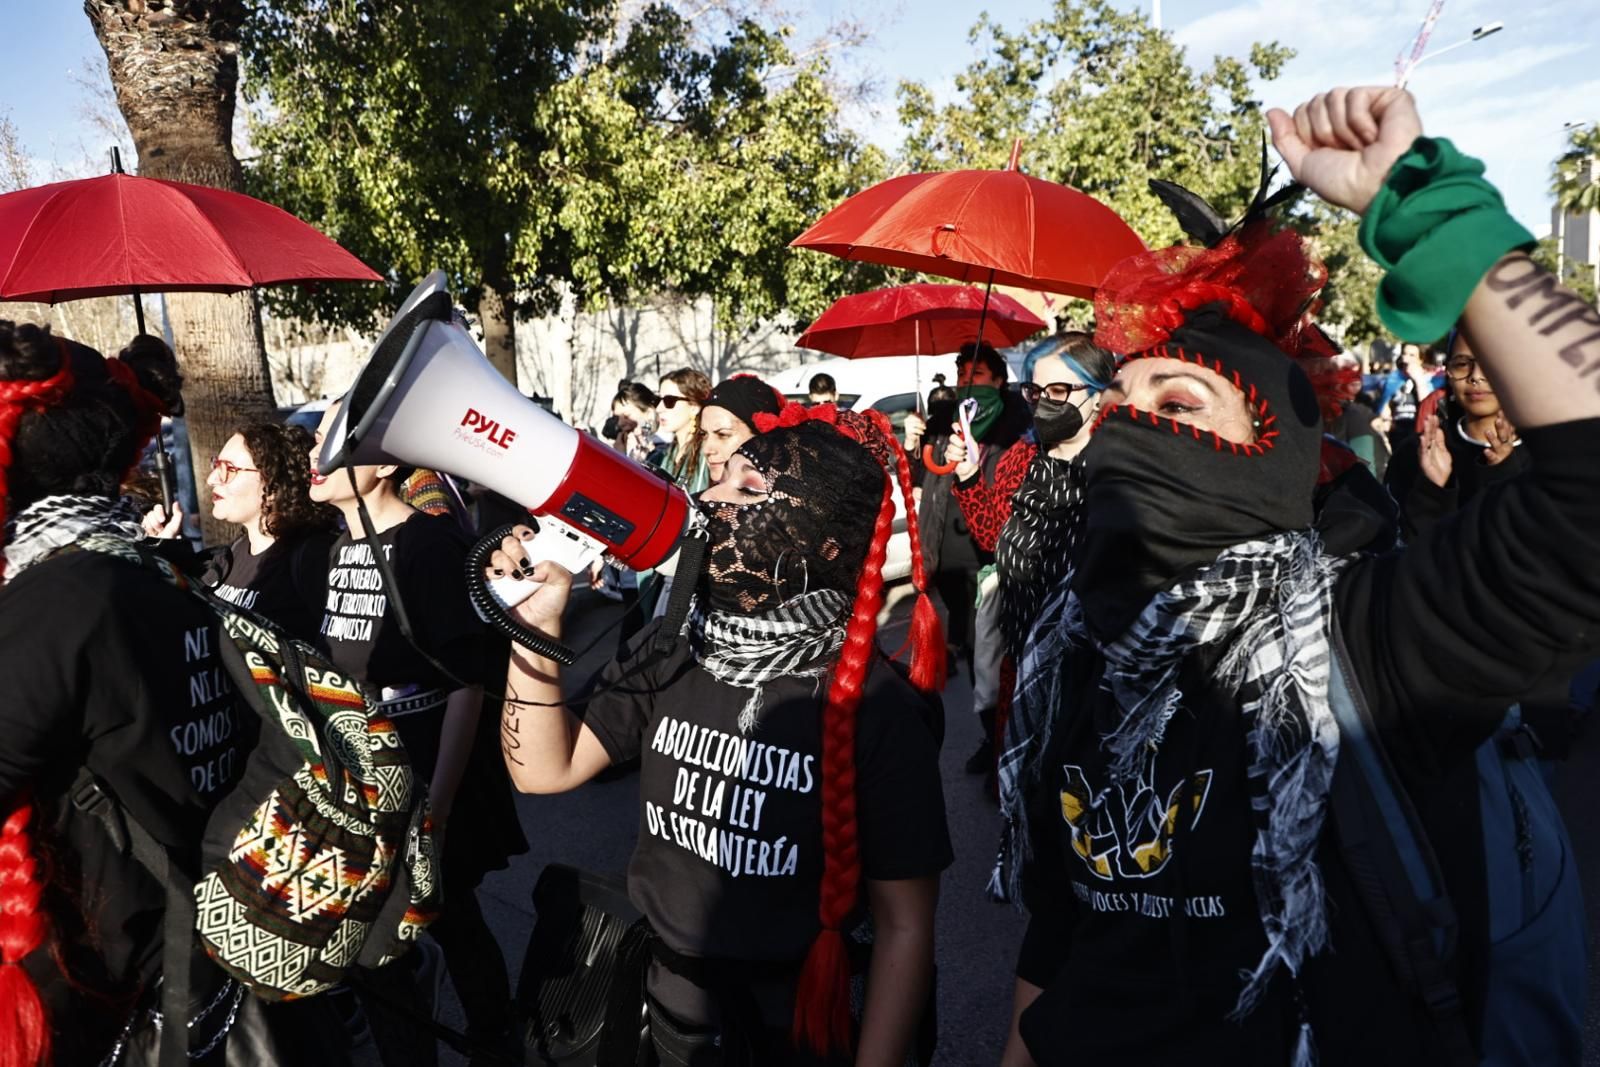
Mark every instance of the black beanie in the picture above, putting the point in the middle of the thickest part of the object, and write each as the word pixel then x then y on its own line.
pixel 745 396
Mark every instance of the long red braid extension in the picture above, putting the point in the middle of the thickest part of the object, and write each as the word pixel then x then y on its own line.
pixel 929 667
pixel 822 997
pixel 24 1033
pixel 22 395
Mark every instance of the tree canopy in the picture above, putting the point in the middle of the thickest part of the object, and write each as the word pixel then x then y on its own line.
pixel 567 151
pixel 1103 102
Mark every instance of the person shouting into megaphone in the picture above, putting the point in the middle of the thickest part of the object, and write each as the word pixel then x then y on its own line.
pixel 789 783
pixel 434 701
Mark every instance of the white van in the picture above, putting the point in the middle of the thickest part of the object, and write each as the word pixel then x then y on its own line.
pixel 883 383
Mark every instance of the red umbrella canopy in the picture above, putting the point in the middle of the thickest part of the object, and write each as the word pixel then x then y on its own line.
pixel 965 224
pixel 917 320
pixel 120 233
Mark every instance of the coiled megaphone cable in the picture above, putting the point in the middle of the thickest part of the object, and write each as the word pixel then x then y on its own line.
pixel 491 611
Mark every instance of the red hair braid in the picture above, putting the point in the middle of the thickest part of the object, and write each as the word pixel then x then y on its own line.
pixel 929 668
pixel 822 996
pixel 24 1032
pixel 22 395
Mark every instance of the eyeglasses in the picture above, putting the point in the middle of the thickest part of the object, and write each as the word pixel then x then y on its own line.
pixel 1461 367
pixel 1057 391
pixel 229 469
pixel 670 402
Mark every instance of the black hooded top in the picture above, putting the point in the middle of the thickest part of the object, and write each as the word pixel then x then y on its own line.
pixel 1140 959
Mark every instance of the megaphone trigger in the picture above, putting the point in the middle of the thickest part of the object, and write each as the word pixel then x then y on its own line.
pixel 555 542
pixel 493 599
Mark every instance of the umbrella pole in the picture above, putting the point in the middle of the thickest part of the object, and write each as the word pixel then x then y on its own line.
pixel 138 311
pixel 916 355
pixel 983 315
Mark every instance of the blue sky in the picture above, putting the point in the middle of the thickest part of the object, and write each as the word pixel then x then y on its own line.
pixel 1504 98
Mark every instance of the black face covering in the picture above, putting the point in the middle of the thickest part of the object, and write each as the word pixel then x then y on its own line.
pixel 1055 421
pixel 813 530
pixel 611 429
pixel 1163 498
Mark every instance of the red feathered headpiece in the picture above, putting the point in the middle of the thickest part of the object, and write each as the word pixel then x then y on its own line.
pixel 1264 280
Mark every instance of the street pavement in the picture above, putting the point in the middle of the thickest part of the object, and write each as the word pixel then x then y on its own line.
pixel 594 828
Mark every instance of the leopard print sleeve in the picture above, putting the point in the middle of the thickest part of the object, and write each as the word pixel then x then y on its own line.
pixel 986 502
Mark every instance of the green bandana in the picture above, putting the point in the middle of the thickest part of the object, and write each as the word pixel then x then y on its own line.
pixel 990 404
pixel 1436 227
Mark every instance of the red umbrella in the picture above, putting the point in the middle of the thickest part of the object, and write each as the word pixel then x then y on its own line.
pixel 998 226
pixel 921 320
pixel 122 234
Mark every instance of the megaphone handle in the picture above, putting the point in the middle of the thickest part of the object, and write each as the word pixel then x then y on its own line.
pixel 556 542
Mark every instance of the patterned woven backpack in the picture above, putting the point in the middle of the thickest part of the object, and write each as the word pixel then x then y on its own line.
pixel 322 857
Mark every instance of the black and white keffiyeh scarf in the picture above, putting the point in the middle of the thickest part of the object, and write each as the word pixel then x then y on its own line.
pixel 799 638
pixel 58 521
pixel 1035 546
pixel 1268 604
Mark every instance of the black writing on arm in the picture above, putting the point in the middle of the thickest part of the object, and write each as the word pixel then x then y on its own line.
pixel 511 726
pixel 1550 307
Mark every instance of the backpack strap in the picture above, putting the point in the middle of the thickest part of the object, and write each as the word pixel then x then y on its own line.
pixel 1392 865
pixel 92 798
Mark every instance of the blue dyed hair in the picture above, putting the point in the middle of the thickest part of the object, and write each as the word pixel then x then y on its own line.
pixel 1077 350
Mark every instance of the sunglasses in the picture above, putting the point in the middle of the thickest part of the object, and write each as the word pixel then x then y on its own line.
pixel 230 469
pixel 1060 392
pixel 670 402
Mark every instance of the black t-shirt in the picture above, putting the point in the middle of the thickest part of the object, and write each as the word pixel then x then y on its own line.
pixel 1423 504
pixel 286 584
pixel 107 665
pixel 729 859
pixel 428 556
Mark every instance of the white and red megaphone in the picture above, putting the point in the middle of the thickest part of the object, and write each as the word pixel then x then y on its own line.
pixel 428 397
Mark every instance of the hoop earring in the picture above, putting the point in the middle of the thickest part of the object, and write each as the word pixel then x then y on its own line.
pixel 777 576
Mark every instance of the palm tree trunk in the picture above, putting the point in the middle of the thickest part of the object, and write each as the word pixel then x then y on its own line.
pixel 175 71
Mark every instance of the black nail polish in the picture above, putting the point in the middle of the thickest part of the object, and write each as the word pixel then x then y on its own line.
pixel 516 574
pixel 498 573
pixel 526 565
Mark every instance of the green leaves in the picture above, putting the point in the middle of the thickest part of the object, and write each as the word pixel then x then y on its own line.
pixel 567 151
pixel 1104 102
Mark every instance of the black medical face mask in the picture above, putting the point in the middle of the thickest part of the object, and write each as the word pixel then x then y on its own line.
pixel 1055 421
pixel 611 428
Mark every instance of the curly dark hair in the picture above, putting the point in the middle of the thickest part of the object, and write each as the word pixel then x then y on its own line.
pixel 282 454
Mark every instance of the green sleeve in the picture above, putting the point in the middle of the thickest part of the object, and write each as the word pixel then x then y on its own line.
pixel 1436 227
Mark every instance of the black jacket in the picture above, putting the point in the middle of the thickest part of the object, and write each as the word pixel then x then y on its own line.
pixel 1142 966
pixel 108 666
pixel 1423 504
